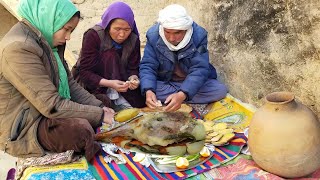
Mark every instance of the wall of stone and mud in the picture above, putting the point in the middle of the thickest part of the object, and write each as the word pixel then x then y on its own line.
pixel 7 20
pixel 257 46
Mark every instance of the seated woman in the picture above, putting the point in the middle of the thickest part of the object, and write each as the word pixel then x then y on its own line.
pixel 109 63
pixel 41 107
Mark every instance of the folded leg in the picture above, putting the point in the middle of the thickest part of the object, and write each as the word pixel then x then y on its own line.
pixel 212 90
pixel 60 135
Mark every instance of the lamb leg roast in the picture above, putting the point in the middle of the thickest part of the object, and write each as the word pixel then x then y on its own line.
pixel 159 129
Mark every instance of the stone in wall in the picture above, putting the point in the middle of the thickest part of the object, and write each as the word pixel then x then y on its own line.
pixel 265 46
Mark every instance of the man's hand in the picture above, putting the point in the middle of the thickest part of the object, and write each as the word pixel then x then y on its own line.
pixel 174 101
pixel 151 99
pixel 108 115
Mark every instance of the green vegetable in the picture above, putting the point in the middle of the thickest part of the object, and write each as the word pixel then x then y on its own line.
pixel 193 157
pixel 167 160
pixel 176 150
pixel 173 159
pixel 194 147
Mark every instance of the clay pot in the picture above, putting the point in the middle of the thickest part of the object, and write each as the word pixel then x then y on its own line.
pixel 284 137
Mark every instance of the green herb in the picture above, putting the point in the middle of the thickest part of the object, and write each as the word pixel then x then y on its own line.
pixel 173 159
pixel 167 160
pixel 193 157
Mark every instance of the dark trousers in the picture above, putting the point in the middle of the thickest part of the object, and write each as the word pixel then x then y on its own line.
pixel 60 135
pixel 212 90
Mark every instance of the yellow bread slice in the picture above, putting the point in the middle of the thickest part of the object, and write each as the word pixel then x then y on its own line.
pixel 220 126
pixel 216 138
pixel 225 138
pixel 126 114
pixel 225 131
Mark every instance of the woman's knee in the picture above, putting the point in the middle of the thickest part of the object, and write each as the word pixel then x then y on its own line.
pixel 59 135
pixel 81 125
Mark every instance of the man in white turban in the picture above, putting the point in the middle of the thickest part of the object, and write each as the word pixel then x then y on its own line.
pixel 175 67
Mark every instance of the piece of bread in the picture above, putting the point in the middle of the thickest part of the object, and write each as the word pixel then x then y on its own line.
pixel 184 108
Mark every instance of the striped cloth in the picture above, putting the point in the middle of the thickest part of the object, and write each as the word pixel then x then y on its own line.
pixel 132 170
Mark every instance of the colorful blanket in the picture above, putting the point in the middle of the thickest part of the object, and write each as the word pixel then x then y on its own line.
pixel 75 170
pixel 246 169
pixel 228 110
pixel 133 170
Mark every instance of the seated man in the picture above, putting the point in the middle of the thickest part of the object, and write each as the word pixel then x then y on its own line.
pixel 175 66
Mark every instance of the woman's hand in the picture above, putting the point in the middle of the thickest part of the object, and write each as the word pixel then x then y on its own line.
pixel 119 86
pixel 134 82
pixel 108 115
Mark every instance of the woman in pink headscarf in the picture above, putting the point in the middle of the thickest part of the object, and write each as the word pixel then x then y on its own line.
pixel 110 58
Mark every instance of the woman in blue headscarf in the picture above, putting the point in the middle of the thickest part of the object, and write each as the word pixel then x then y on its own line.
pixel 41 107
pixel 110 57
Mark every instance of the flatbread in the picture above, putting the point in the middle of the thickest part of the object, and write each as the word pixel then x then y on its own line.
pixel 184 108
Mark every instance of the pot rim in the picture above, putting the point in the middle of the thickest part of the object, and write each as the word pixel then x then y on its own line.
pixel 281 97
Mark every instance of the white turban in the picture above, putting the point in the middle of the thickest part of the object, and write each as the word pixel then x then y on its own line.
pixel 175 16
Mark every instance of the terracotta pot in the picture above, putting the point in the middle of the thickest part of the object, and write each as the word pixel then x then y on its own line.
pixel 284 137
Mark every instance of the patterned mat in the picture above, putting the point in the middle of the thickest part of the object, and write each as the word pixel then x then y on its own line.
pixel 228 110
pixel 75 170
pixel 248 169
pixel 133 170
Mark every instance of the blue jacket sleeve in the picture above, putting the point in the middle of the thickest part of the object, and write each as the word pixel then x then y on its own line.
pixel 148 69
pixel 198 72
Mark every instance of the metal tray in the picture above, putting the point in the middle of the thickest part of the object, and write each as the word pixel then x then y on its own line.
pixel 169 168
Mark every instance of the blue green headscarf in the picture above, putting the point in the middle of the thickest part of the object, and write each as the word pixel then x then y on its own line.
pixel 48 16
